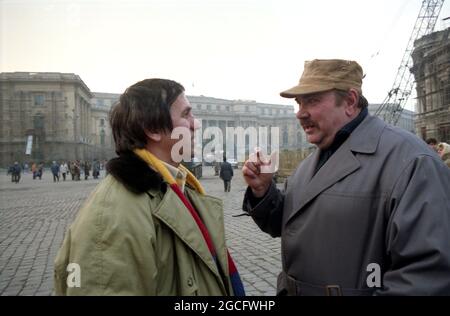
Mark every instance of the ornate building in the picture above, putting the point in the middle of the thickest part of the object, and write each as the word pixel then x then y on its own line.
pixel 223 113
pixel 53 110
pixel 67 121
pixel 101 136
pixel 431 70
pixel 406 120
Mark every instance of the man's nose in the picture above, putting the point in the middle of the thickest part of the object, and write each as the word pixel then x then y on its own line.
pixel 301 113
pixel 195 124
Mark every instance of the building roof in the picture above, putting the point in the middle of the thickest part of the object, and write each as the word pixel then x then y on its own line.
pixel 44 77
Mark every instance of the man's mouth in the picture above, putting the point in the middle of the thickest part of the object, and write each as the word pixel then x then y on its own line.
pixel 308 127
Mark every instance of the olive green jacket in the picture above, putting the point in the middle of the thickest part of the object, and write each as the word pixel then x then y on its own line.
pixel 135 243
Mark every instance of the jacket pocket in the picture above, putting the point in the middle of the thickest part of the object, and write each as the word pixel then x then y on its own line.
pixel 191 286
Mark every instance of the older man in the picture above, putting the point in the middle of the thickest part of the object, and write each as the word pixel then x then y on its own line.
pixel 148 228
pixel 368 212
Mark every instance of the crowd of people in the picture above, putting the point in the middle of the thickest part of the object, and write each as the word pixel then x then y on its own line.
pixel 75 169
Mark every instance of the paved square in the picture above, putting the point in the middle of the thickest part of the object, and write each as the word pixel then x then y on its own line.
pixel 36 213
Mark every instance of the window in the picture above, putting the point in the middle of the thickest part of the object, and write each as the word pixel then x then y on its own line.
pixel 424 101
pixel 444 132
pixel 102 137
pixel 423 132
pixel 102 122
pixel 446 100
pixel 38 122
pixel 285 136
pixel 39 100
pixel 208 107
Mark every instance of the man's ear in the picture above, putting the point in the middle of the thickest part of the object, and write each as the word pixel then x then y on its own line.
pixel 352 102
pixel 156 137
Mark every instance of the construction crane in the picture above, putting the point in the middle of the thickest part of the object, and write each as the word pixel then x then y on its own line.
pixel 392 106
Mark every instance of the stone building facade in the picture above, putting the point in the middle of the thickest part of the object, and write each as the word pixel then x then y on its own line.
pixel 247 114
pixel 101 137
pixel 406 120
pixel 67 121
pixel 431 69
pixel 53 108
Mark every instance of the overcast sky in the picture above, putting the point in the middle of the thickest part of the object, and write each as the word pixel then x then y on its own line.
pixel 246 49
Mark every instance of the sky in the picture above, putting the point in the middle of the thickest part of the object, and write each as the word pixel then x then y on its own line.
pixel 246 49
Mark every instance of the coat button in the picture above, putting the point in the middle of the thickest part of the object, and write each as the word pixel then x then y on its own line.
pixel 190 282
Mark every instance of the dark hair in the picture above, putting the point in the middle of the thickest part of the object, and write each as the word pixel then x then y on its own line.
pixel 341 94
pixel 431 141
pixel 143 106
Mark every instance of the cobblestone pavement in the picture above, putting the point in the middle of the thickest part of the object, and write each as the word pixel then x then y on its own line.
pixel 34 215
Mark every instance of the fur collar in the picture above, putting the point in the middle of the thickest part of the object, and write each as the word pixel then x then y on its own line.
pixel 134 174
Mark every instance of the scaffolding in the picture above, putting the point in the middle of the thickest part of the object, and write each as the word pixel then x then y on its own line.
pixel 392 106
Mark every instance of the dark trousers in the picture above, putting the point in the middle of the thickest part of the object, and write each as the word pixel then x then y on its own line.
pixel 64 176
pixel 15 178
pixel 55 177
pixel 227 185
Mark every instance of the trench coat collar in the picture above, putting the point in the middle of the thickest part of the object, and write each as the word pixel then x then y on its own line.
pixel 364 139
pixel 366 136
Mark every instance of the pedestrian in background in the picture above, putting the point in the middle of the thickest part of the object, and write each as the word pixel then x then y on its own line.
pixel 55 171
pixel 40 170
pixel 34 170
pixel 443 150
pixel 432 143
pixel 86 168
pixel 16 171
pixel 226 174
pixel 77 170
pixel 96 169
pixel 63 168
